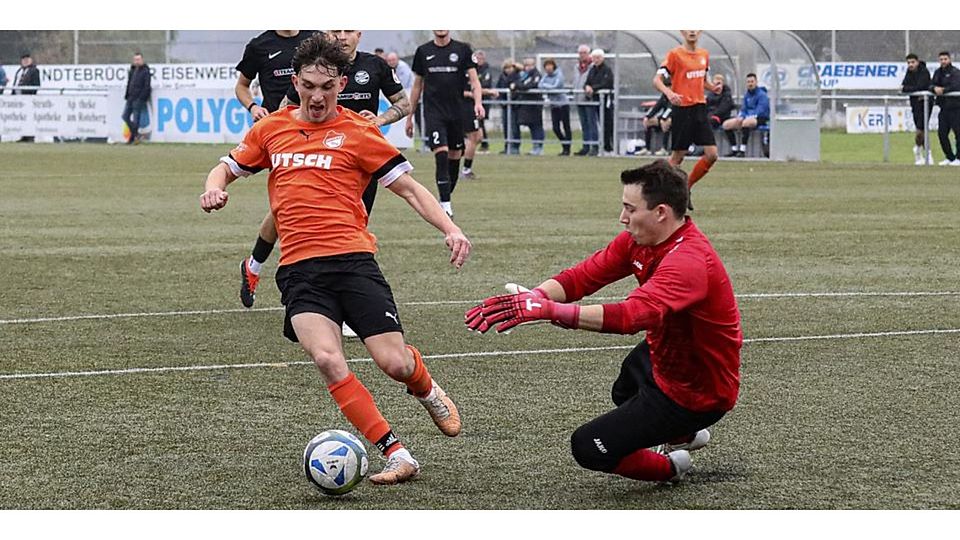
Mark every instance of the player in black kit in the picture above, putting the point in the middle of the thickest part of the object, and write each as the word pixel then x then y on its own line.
pixel 268 58
pixel 440 66
pixel 367 76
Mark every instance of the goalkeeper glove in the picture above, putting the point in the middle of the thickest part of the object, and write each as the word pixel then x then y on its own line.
pixel 515 309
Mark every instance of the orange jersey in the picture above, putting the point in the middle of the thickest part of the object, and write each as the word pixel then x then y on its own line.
pixel 317 176
pixel 688 71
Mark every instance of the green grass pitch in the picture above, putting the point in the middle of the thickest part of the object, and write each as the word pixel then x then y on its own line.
pixel 847 400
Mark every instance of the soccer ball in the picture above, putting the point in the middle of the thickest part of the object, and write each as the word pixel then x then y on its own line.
pixel 335 461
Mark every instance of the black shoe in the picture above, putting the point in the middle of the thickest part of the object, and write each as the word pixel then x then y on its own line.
pixel 594 152
pixel 248 285
pixel 741 153
pixel 732 153
pixel 689 203
pixel 582 152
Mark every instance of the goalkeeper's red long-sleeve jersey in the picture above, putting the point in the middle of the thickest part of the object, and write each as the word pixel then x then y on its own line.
pixel 684 301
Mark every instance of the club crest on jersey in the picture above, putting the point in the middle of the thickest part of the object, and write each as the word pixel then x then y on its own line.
pixel 454 57
pixel 362 77
pixel 334 139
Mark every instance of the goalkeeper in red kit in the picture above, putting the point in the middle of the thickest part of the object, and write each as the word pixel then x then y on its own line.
pixel 686 374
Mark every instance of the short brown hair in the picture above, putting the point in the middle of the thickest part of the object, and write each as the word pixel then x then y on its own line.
pixel 660 183
pixel 320 50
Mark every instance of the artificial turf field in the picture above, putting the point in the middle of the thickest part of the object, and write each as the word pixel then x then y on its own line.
pixel 846 274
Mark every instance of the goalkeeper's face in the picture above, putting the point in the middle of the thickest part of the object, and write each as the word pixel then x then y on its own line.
pixel 318 86
pixel 645 225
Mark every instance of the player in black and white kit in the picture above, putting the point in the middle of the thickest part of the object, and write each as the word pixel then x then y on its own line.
pixel 268 58
pixel 440 66
pixel 367 76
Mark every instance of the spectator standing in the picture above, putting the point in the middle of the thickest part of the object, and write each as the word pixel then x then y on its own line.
pixel 137 95
pixel 531 115
pixel 754 113
pixel 27 75
pixel 946 79
pixel 402 69
pixel 3 79
pixel 601 78
pixel 509 78
pixel 559 103
pixel 917 79
pixel 586 112
pixel 486 86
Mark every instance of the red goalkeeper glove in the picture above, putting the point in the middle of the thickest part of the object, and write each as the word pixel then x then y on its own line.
pixel 474 319
pixel 515 309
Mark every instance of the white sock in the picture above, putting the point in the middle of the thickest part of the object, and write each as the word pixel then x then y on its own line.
pixel 403 454
pixel 254 266
pixel 447 207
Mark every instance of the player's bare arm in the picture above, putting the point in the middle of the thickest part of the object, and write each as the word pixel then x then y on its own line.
pixel 399 107
pixel 477 92
pixel 245 96
pixel 414 101
pixel 664 89
pixel 215 196
pixel 425 204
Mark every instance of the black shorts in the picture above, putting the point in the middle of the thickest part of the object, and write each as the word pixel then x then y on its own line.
pixel 690 126
pixel 441 131
pixel 644 417
pixel 344 288
pixel 470 121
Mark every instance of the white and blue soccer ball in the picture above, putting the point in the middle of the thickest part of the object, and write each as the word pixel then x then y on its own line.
pixel 335 462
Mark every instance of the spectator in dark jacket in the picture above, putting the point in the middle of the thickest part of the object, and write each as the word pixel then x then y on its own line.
pixel 137 96
pixel 917 79
pixel 601 78
pixel 719 105
pixel 946 79
pixel 509 79
pixel 27 75
pixel 531 115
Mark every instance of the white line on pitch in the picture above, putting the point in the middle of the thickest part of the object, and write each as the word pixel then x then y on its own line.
pixel 450 303
pixel 452 355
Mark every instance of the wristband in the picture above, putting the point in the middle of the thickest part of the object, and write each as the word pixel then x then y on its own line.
pixel 249 107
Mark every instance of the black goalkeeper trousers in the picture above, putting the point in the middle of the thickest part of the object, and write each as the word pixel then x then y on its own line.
pixel 644 417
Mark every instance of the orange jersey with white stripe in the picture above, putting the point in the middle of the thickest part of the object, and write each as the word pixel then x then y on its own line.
pixel 317 176
pixel 688 71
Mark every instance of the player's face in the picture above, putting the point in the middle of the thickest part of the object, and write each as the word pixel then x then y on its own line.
pixel 640 222
pixel 441 33
pixel 691 36
pixel 318 87
pixel 349 39
pixel 751 83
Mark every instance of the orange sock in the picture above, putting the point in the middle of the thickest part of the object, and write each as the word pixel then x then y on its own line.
pixel 357 405
pixel 699 170
pixel 420 381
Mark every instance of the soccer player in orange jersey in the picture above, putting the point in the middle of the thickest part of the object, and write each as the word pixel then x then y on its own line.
pixel 321 156
pixel 687 67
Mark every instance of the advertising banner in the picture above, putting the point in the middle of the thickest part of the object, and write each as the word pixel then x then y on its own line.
pixel 871 119
pixel 837 75
pixel 67 117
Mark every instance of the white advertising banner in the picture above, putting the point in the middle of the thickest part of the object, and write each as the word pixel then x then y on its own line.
pixel 174 115
pixel 837 75
pixel 871 119
pixel 56 116
pixel 115 75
